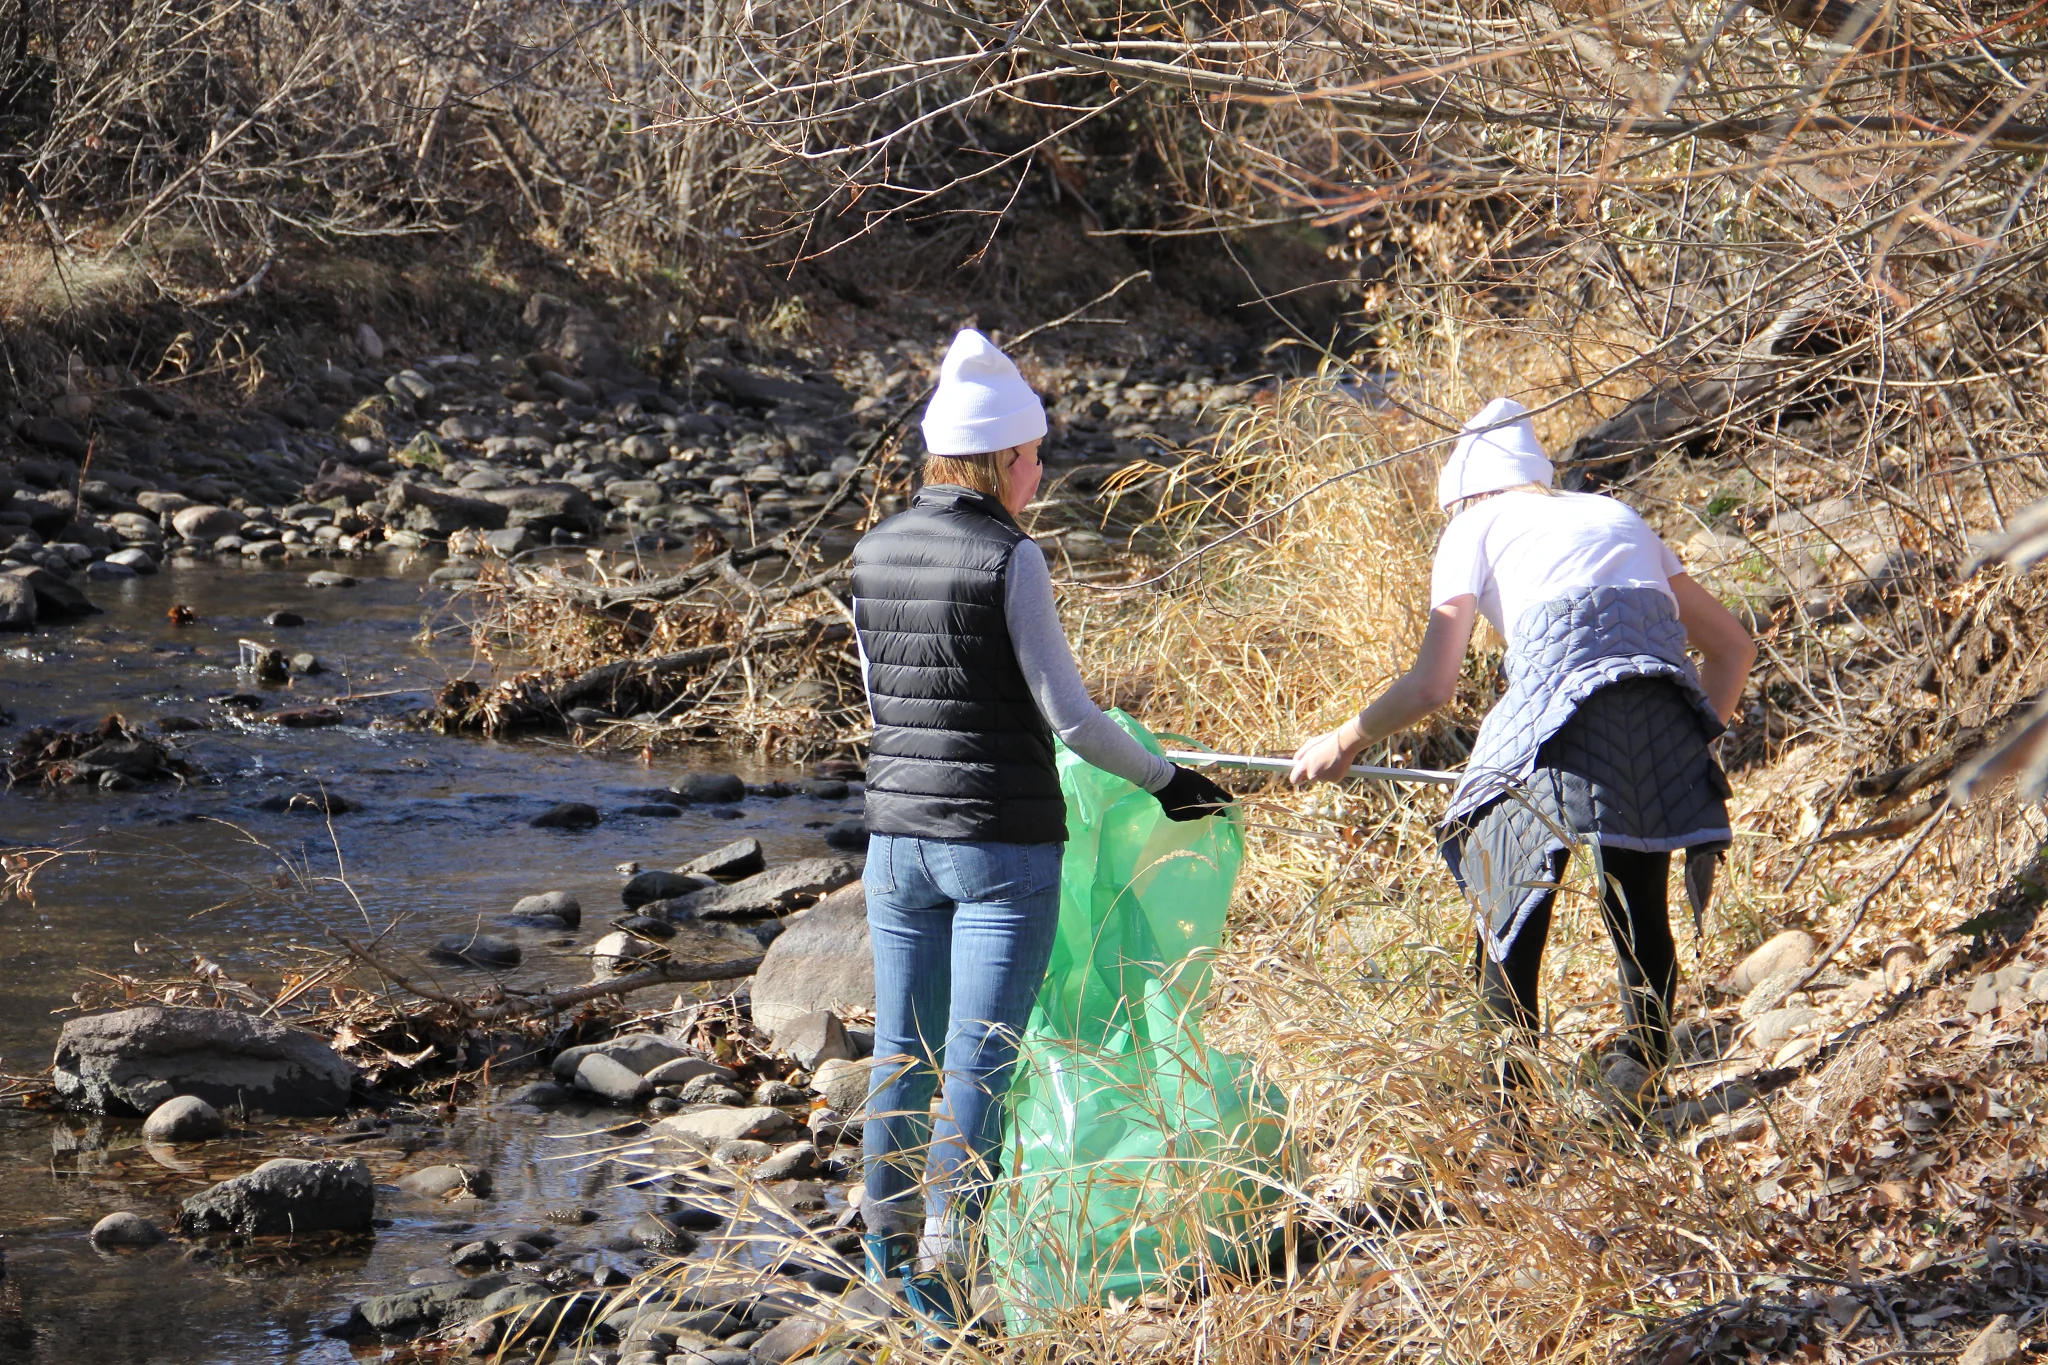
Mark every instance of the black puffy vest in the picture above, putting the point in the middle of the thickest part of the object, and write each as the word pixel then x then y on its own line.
pixel 960 749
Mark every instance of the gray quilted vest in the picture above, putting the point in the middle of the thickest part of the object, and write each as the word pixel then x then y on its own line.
pixel 1565 650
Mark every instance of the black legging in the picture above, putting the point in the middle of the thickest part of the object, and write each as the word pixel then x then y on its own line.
pixel 1637 912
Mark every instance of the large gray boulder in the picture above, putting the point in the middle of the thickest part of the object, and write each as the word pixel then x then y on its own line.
pixel 775 892
pixel 284 1198
pixel 131 1061
pixel 821 961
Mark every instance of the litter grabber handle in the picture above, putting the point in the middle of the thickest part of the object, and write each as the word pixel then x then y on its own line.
pixel 1194 758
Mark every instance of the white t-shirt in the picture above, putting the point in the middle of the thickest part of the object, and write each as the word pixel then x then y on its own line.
pixel 1517 550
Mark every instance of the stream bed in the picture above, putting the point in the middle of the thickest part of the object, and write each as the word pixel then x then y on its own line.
pixel 439 842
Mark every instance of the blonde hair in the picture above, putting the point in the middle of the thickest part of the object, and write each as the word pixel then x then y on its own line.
pixel 1462 503
pixel 988 473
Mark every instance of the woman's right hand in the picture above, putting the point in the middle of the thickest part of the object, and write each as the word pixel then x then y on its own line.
pixel 1327 757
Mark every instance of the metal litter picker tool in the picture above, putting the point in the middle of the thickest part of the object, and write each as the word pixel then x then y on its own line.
pixel 1282 765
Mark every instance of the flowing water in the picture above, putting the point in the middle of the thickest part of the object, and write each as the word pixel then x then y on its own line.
pixel 439 843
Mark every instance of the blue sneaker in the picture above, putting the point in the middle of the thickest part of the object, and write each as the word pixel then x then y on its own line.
pixel 889 1255
pixel 939 1297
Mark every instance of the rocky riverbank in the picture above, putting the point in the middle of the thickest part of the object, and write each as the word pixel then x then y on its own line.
pixel 741 1114
pixel 494 456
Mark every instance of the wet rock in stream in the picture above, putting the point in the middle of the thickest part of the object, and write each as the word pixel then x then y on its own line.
pixel 130 1061
pixel 611 1081
pixel 657 886
pixel 440 1182
pixel 186 1118
pixel 478 950
pixel 557 906
pixel 740 858
pixel 313 802
pixel 567 815
pixel 705 1129
pixel 711 788
pixel 126 1229
pixel 774 892
pixel 284 1197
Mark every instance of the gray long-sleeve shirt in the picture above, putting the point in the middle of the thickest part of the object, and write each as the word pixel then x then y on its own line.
pixel 1055 681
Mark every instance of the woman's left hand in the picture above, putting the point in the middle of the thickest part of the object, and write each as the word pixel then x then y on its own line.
pixel 1326 757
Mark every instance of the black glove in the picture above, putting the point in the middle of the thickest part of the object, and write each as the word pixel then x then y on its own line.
pixel 1191 796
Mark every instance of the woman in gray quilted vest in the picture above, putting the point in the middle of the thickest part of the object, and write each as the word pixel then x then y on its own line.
pixel 1601 738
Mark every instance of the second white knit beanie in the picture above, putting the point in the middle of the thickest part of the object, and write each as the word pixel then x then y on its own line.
pixel 1497 450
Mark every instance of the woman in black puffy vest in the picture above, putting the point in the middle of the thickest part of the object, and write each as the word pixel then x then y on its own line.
pixel 969 677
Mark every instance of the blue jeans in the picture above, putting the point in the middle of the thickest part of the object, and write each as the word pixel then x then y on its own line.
pixel 962 933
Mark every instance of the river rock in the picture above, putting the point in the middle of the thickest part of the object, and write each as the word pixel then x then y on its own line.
pixel 540 1095
pixel 683 1070
pixel 814 1039
pixel 1773 1027
pixel 56 598
pixel 414 1313
pixel 849 836
pixel 555 905
pixel 796 1335
pixel 844 1084
pixel 433 511
pixel 821 960
pixel 611 1080
pixel 640 1053
pixel 797 1161
pixel 131 1061
pixel 711 788
pixel 659 1234
pixel 659 886
pixel 567 815
pixel 107 571
pixel 203 522
pixel 479 950
pixel 126 1229
pixel 187 1118
pixel 438 1182
pixel 708 1127
pixel 780 1094
pixel 620 954
pixel 1898 961
pixel 1995 1345
pixel 328 578
pixel 284 620
pixel 1787 952
pixel 137 560
pixel 548 507
pixel 740 858
pixel 775 892
pixel 17 604
pixel 284 1197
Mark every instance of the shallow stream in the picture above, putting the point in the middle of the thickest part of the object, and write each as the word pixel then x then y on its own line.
pixel 440 842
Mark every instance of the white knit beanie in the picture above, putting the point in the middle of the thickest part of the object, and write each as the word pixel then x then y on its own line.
pixel 982 404
pixel 1498 450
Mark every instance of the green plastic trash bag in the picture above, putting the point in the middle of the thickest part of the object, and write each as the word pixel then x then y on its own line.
pixel 1135 1156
